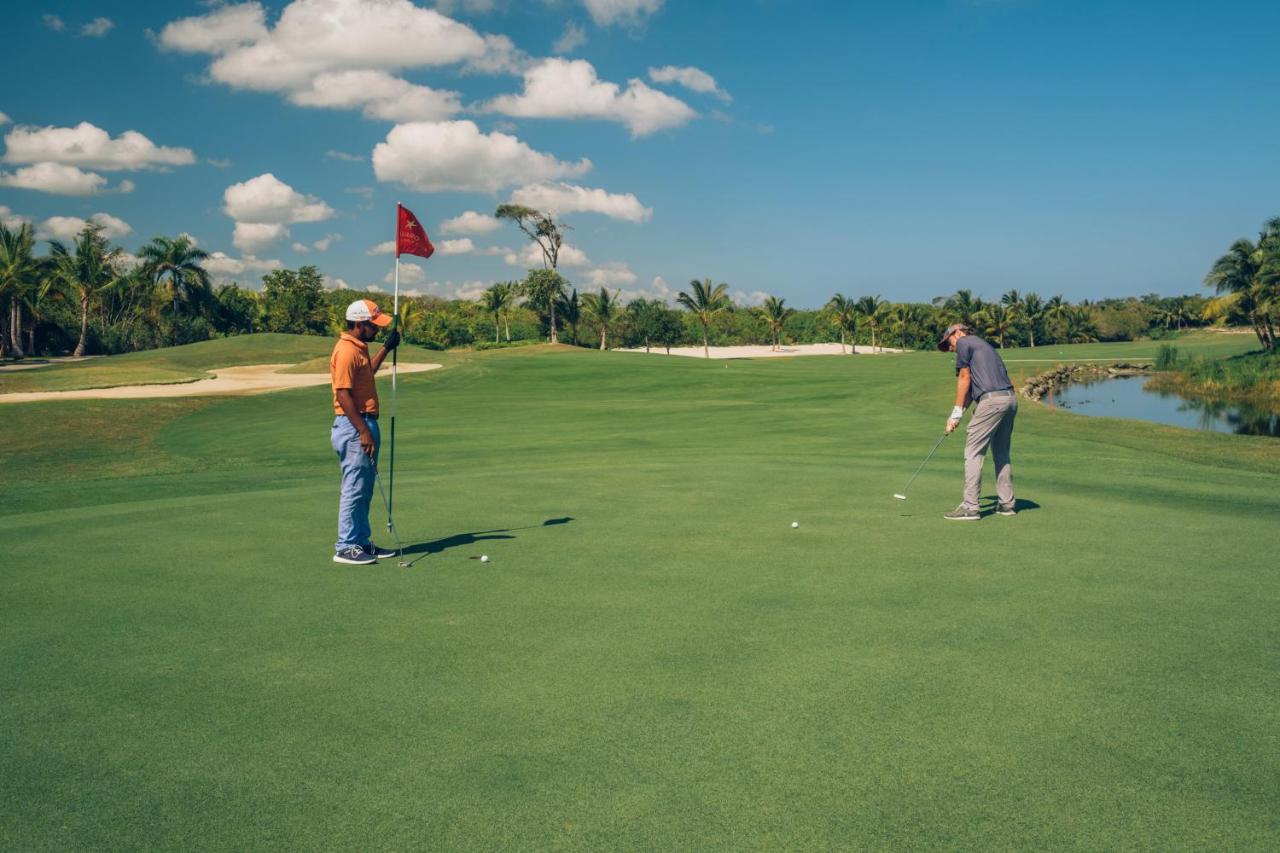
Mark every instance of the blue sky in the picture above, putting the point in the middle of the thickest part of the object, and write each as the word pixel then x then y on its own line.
pixel 795 148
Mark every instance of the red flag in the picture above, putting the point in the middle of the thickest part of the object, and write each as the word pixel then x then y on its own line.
pixel 411 237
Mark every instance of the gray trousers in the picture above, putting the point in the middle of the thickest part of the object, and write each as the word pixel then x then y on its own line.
pixel 991 425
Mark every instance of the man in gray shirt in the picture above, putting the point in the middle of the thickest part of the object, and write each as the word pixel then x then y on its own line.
pixel 981 377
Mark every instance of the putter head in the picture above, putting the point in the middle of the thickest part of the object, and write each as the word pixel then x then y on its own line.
pixel 900 497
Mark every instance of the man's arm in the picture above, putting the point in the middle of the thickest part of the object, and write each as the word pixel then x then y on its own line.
pixel 352 411
pixel 962 399
pixel 392 341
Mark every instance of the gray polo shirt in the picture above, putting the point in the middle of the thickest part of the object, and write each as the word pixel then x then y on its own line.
pixel 986 370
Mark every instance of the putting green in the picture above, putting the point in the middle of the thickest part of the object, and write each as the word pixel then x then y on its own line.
pixel 654 658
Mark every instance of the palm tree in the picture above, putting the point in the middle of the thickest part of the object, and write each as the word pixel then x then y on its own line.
pixel 707 300
pixel 997 321
pixel 603 307
pixel 1080 327
pixel 1251 271
pixel 175 263
pixel 570 310
pixel 961 307
pixel 774 312
pixel 1033 310
pixel 543 289
pixel 19 276
pixel 871 309
pixel 410 314
pixel 494 300
pixel 85 271
pixel 844 316
pixel 509 290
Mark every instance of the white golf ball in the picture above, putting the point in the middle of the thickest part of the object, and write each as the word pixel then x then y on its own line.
pixel 484 558
pixel 795 524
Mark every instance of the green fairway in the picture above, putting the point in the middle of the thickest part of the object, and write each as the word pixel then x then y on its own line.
pixel 654 658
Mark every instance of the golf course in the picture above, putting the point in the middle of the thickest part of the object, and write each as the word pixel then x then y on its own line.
pixel 653 657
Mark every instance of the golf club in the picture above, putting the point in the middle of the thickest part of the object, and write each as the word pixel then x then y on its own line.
pixel 902 496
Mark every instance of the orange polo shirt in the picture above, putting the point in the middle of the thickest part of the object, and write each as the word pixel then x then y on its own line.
pixel 350 367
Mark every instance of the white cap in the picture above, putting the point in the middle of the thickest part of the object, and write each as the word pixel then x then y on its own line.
pixel 367 309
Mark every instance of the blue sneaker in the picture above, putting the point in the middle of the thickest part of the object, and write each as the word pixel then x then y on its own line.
pixel 380 553
pixel 354 555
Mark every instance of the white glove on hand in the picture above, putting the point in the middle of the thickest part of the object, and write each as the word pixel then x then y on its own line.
pixel 956 413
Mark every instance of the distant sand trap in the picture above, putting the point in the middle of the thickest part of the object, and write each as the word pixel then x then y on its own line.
pixel 252 379
pixel 765 351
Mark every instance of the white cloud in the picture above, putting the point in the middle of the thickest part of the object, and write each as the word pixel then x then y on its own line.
pixel 342 155
pixel 694 79
pixel 127 261
pixel 571 39
pixel 531 257
pixel 54 23
pixel 463 246
pixel 322 52
pixel 491 251
pixel 218 164
pixel 4 119
pixel 610 274
pixel 254 237
pixel 564 88
pixel 455 155
pixel 303 248
pixel 387 248
pixel 657 289
pixel 470 222
pixel 378 94
pixel 410 273
pixel 91 147
pixel 224 268
pixel 223 29
pixel 468 290
pixel 59 179
pixel 67 227
pixel 755 297
pixel 97 28
pixel 266 198
pixel 606 12
pixel 474 7
pixel 323 244
pixel 562 198
pixel 336 283
pixel 12 220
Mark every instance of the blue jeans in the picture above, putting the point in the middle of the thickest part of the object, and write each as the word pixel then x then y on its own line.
pixel 357 481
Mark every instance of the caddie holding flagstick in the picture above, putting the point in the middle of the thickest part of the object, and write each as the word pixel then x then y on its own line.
pixel 355 436
pixel 981 378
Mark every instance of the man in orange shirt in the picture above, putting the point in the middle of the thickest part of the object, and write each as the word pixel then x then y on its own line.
pixel 355 436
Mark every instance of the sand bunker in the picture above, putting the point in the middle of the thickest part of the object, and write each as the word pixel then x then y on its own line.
pixel 252 379
pixel 765 351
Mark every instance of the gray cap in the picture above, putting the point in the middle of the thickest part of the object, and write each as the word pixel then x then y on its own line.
pixel 951 330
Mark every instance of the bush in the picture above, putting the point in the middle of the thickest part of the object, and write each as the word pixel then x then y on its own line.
pixel 481 346
pixel 1167 358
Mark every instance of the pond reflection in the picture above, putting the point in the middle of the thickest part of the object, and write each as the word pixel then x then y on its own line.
pixel 1127 397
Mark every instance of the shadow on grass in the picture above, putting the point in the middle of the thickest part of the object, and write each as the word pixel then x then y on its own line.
pixel 436 546
pixel 1019 505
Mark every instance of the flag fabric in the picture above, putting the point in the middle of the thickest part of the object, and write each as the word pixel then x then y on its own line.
pixel 411 237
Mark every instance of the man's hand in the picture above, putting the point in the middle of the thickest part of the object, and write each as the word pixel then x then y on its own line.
pixel 392 341
pixel 951 425
pixel 366 441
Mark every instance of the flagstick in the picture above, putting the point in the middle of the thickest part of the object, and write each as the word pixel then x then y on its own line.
pixel 395 310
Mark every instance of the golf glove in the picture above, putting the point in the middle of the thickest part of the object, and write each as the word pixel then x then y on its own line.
pixel 956 413
pixel 392 341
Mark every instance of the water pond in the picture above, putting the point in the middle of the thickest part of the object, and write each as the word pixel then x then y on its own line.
pixel 1126 397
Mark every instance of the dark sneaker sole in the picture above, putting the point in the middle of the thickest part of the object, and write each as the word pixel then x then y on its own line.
pixel 338 558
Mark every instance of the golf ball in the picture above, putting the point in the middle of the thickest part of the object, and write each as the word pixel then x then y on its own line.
pixel 484 558
pixel 795 524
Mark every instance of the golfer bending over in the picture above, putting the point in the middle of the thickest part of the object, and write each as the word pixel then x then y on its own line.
pixel 982 378
pixel 355 435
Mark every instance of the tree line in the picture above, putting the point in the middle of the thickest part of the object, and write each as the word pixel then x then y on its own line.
pixel 86 296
